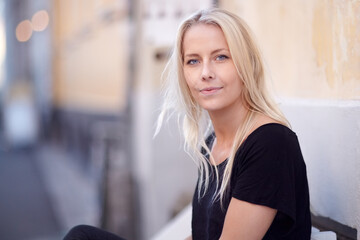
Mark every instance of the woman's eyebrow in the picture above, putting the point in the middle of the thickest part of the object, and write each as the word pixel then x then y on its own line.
pixel 219 50
pixel 191 55
pixel 213 52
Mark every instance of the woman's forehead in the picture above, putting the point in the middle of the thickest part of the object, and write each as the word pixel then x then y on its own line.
pixel 203 36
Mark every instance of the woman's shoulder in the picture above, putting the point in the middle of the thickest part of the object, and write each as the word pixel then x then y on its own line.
pixel 266 125
pixel 269 140
pixel 269 132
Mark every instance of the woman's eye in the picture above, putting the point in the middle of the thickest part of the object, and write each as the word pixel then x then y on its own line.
pixel 192 61
pixel 221 57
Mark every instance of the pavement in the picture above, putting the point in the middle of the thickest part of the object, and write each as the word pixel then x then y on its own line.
pixel 44 191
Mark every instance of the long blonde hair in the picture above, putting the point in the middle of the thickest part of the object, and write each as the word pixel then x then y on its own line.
pixel 196 123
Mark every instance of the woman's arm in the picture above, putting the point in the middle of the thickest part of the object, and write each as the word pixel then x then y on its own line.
pixel 246 221
pixel 188 238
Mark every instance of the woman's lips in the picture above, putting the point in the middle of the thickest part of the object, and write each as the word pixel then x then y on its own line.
pixel 210 90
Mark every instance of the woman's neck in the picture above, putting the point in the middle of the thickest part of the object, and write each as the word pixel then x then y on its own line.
pixel 226 123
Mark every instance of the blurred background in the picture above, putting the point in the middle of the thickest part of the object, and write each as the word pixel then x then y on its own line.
pixel 80 93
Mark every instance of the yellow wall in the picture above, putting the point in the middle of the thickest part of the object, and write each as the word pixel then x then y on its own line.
pixel 312 47
pixel 91 55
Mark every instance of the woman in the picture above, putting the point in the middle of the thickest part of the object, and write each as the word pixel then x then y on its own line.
pixel 252 178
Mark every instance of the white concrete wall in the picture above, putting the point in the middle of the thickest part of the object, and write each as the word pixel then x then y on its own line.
pixel 165 175
pixel 329 134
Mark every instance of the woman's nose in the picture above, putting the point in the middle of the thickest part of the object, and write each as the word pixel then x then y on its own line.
pixel 207 72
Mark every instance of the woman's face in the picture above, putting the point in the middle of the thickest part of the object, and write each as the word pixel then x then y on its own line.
pixel 209 70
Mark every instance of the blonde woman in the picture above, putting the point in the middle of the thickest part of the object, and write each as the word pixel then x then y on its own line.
pixel 252 177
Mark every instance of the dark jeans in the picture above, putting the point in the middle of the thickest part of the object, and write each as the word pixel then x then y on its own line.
pixel 85 232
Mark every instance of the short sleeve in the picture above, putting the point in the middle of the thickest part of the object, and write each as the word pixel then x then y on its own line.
pixel 264 170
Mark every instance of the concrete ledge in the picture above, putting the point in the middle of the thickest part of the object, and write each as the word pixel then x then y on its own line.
pixel 178 228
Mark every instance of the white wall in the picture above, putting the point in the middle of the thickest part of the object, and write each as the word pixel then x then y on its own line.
pixel 165 174
pixel 329 134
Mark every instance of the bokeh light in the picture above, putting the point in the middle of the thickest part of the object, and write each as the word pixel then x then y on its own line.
pixel 40 20
pixel 24 31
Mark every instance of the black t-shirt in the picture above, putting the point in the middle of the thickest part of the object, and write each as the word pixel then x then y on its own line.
pixel 268 170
